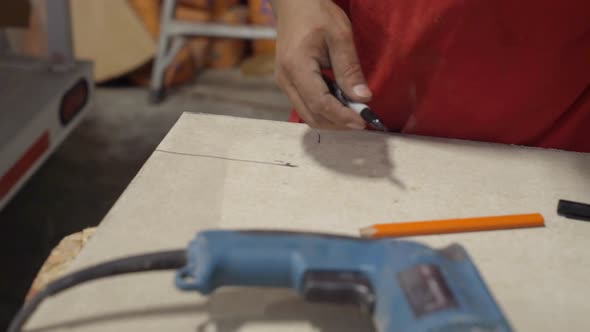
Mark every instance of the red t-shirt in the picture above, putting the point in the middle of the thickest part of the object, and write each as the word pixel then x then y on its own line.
pixel 508 71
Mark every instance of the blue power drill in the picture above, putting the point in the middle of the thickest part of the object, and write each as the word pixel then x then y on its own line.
pixel 404 285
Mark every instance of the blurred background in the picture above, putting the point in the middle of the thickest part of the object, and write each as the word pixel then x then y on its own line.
pixel 151 61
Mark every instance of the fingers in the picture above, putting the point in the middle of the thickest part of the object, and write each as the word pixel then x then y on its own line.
pixel 346 65
pixel 312 119
pixel 314 93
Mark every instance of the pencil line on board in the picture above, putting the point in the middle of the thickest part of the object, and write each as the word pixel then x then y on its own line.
pixel 276 163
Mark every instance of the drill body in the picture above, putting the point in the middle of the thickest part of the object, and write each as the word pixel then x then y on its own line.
pixel 404 285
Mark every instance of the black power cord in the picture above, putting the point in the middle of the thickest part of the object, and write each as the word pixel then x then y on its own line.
pixel 165 260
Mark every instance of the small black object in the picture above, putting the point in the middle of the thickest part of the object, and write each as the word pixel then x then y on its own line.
pixel 343 287
pixel 363 110
pixel 573 210
pixel 335 90
pixel 372 119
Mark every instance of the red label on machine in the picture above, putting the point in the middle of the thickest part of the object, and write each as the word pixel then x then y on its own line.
pixel 73 101
pixel 26 161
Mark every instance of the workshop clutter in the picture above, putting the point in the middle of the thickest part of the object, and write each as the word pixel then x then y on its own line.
pixel 260 13
pixel 200 53
pixel 120 37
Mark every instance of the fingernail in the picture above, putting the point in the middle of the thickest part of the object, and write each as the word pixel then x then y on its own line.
pixel 362 90
pixel 354 125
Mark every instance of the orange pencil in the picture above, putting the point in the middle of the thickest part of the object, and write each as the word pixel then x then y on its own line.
pixel 453 225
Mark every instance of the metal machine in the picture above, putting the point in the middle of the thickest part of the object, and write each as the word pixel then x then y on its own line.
pixel 41 101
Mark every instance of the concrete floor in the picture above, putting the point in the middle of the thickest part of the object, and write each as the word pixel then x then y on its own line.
pixel 77 185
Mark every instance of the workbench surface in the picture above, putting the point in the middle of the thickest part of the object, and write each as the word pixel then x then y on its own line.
pixel 223 172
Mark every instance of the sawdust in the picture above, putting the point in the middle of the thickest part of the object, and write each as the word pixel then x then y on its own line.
pixel 59 260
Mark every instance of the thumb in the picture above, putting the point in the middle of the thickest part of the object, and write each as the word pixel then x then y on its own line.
pixel 347 68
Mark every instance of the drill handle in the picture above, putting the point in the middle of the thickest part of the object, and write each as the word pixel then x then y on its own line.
pixel 311 264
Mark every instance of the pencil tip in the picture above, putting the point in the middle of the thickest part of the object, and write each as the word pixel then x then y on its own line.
pixel 367 231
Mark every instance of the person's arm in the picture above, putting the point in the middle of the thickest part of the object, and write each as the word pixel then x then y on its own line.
pixel 313 35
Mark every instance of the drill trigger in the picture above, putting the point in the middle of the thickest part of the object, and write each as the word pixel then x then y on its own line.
pixel 343 287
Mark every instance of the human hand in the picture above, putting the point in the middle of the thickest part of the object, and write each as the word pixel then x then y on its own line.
pixel 314 35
